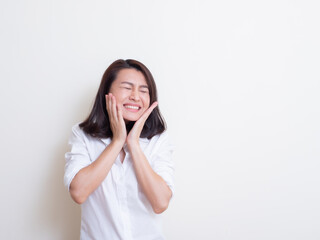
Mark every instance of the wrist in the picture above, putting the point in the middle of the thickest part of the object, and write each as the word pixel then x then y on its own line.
pixel 133 145
pixel 117 143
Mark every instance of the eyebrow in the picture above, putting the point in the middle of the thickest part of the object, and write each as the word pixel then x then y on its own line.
pixel 131 84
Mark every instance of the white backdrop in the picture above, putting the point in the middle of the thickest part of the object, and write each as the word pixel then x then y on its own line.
pixel 238 84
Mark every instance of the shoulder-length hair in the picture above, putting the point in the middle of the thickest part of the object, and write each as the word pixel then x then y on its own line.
pixel 98 125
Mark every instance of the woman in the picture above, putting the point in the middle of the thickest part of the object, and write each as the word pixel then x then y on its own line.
pixel 119 167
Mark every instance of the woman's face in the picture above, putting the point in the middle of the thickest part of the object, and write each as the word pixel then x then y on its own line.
pixel 131 92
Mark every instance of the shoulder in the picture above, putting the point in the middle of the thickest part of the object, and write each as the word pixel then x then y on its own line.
pixel 77 132
pixel 161 141
pixel 158 138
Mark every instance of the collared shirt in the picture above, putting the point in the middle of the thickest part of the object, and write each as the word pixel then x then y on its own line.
pixel 118 208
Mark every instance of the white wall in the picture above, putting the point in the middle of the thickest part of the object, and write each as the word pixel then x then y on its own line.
pixel 239 87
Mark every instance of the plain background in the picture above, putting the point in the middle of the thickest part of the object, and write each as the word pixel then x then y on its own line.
pixel 238 85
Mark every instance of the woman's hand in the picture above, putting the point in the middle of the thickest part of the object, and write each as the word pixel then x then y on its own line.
pixel 117 124
pixel 134 134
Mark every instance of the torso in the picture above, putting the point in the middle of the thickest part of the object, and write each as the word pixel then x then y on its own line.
pixel 119 202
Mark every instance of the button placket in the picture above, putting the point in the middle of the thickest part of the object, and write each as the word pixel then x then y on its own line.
pixel 124 204
pixel 123 193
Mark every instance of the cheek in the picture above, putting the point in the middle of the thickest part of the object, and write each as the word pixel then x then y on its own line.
pixel 118 99
pixel 118 95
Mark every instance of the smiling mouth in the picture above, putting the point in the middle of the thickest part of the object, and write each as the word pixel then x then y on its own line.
pixel 130 107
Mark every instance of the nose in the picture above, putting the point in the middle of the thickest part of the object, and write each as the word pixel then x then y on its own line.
pixel 135 95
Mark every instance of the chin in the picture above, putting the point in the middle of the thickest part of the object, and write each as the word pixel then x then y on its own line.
pixel 130 118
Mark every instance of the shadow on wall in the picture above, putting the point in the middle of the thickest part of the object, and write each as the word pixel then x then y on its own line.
pixel 61 216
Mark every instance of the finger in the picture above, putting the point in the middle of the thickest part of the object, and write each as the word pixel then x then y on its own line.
pixel 114 108
pixel 138 126
pixel 108 105
pixel 119 112
pixel 153 106
pixel 110 111
pixel 146 114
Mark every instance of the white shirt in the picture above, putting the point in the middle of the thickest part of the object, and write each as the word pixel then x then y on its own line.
pixel 118 209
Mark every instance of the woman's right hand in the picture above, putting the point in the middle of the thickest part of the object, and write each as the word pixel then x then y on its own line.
pixel 89 178
pixel 117 124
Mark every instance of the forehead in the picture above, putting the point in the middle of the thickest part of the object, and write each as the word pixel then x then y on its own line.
pixel 130 75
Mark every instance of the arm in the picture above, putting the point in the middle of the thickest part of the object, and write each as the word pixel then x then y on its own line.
pixel 154 187
pixel 89 178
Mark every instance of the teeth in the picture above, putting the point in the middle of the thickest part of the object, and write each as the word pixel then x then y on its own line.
pixel 132 107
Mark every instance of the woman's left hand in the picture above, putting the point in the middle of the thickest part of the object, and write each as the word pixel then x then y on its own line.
pixel 134 134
